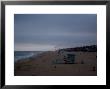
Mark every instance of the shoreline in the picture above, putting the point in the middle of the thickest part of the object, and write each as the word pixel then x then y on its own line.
pixel 42 65
pixel 35 55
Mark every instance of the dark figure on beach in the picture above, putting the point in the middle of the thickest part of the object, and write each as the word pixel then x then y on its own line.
pixel 82 62
pixel 94 68
pixel 54 66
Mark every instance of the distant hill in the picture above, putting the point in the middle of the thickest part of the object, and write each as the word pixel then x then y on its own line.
pixel 91 48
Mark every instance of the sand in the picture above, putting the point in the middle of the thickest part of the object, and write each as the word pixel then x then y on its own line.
pixel 43 65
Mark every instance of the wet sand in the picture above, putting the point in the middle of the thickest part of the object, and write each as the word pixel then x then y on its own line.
pixel 43 65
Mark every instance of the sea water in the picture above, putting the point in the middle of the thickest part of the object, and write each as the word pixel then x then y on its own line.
pixel 21 55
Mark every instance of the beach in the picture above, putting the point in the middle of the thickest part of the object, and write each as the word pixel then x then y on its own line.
pixel 43 65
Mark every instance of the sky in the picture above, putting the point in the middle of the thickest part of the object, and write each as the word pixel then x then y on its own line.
pixel 48 32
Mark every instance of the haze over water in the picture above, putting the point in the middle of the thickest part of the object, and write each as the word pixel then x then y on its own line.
pixel 43 32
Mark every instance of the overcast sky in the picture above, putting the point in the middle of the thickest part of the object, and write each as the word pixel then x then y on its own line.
pixel 42 32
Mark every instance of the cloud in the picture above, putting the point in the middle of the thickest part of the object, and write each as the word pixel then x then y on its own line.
pixel 34 31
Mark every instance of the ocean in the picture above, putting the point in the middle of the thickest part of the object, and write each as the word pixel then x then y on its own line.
pixel 21 55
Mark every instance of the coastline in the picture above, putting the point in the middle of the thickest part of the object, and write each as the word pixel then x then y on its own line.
pixel 42 65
